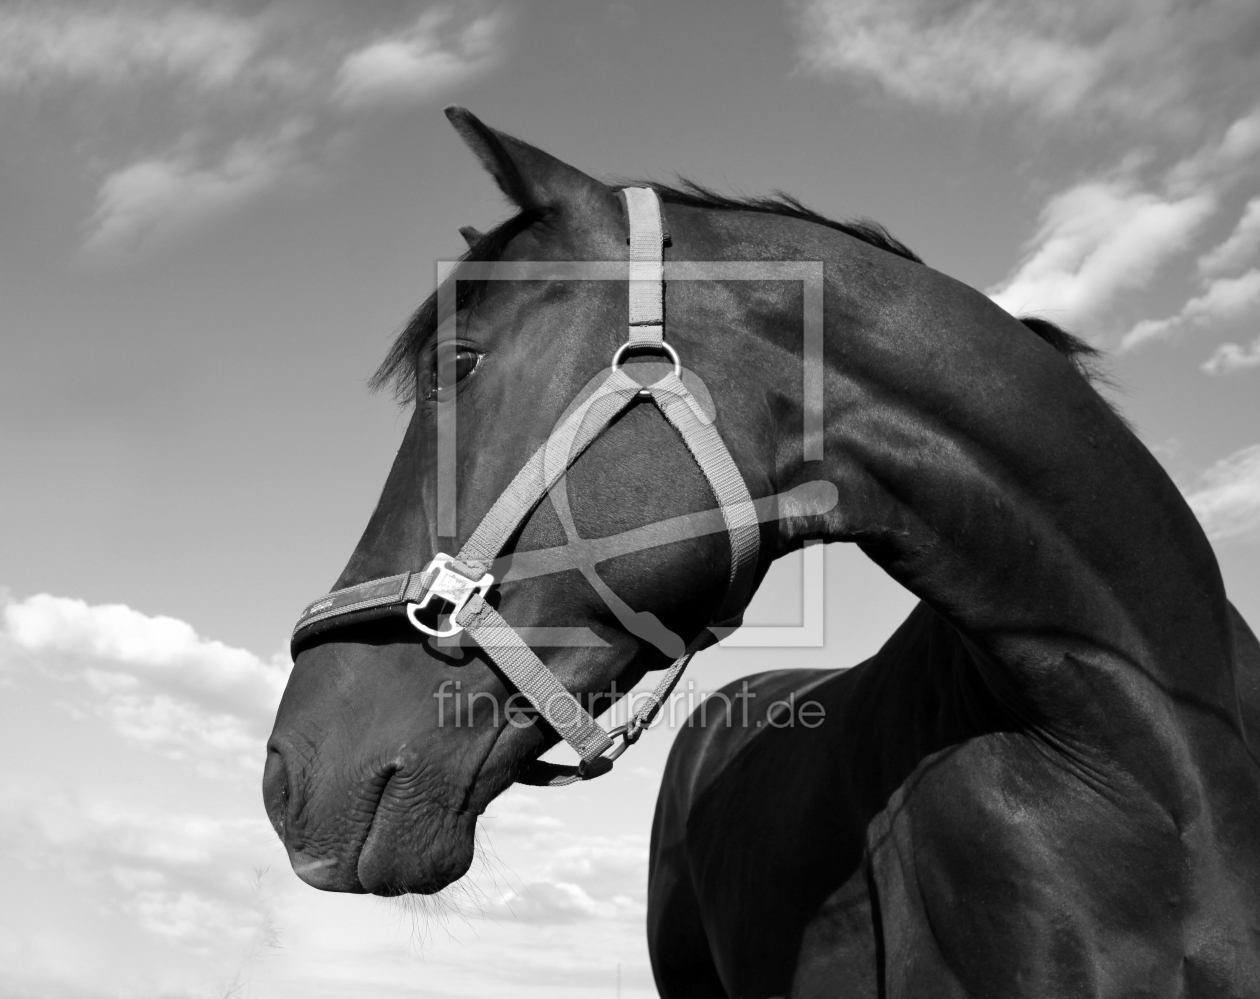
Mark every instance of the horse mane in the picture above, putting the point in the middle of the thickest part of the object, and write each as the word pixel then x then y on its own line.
pixel 400 369
pixel 695 195
pixel 1084 357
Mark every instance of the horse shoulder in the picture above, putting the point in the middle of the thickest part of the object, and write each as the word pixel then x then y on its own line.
pixel 753 833
pixel 1012 855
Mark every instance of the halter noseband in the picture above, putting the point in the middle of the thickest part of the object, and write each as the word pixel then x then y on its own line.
pixel 462 581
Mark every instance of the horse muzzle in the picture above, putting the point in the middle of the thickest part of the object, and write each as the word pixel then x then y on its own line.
pixel 378 802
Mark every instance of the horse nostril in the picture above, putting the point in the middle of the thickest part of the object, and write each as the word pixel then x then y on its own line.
pixel 276 790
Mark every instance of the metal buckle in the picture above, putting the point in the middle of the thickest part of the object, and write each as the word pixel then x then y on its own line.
pixel 452 587
pixel 629 736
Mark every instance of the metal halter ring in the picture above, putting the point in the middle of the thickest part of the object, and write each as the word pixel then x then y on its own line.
pixel 657 346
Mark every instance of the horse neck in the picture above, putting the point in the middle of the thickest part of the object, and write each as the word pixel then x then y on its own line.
pixel 983 473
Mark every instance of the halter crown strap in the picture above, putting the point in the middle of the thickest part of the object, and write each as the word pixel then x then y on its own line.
pixel 647 267
pixel 463 580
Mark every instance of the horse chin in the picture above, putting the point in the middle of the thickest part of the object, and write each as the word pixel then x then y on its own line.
pixel 421 845
pixel 415 847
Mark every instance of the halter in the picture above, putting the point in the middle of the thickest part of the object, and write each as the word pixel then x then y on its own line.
pixel 462 581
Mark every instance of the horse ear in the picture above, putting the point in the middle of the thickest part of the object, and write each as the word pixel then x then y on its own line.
pixel 528 176
pixel 471 236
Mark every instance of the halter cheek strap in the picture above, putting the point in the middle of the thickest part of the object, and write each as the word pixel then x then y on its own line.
pixel 462 581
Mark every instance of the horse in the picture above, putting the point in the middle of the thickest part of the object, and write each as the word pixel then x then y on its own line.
pixel 1042 785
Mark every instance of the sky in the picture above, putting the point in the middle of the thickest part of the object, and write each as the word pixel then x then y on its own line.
pixel 216 215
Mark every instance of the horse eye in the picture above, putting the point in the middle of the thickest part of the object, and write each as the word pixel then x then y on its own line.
pixel 450 367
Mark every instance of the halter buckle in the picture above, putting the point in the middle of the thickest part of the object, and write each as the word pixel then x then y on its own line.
pixel 451 587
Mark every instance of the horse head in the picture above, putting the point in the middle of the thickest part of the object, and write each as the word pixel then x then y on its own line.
pixel 390 741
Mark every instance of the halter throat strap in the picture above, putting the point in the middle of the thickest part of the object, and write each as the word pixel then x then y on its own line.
pixel 463 580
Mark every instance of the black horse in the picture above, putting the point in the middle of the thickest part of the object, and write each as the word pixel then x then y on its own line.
pixel 1043 784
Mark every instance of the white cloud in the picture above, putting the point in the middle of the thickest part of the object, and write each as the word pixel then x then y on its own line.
pixel 520 815
pixel 592 878
pixel 153 679
pixel 1242 140
pixel 1241 246
pixel 1095 241
pixel 608 867
pixel 158 902
pixel 564 902
pixel 974 52
pixel 1224 300
pixel 47 43
pixel 155 200
pixel 1109 236
pixel 243 88
pixel 142 848
pixel 1218 164
pixel 435 52
pixel 1231 357
pixel 1147 61
pixel 1226 499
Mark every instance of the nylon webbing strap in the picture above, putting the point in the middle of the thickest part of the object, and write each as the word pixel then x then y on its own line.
pixel 547 464
pixel 647 269
pixel 375 593
pixel 532 678
pixel 643 717
pixel 707 447
pixel 544 774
